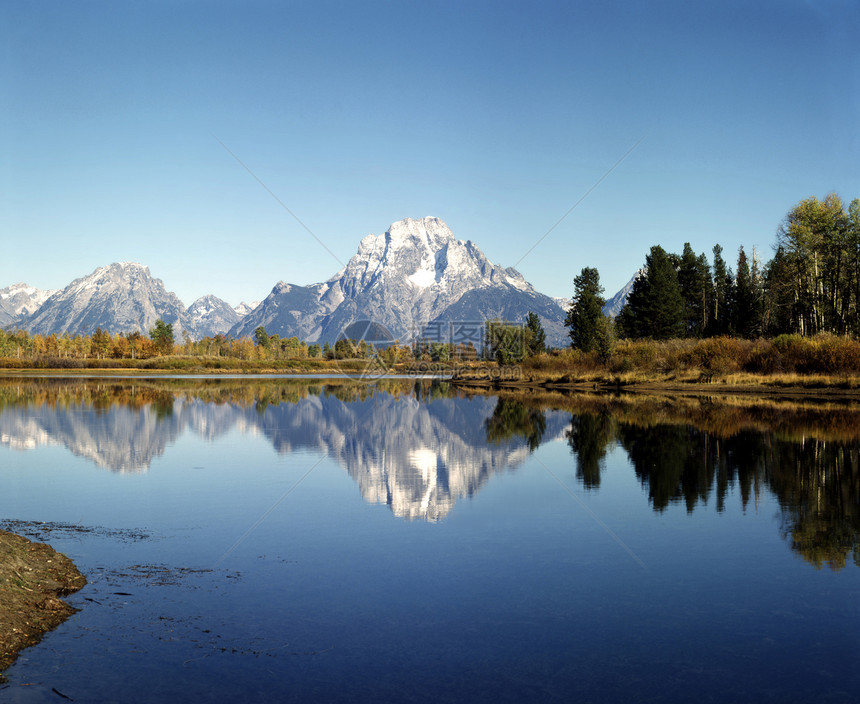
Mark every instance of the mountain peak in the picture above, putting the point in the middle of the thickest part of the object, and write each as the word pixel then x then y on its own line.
pixel 432 231
pixel 125 267
pixel 20 300
pixel 416 273
pixel 119 297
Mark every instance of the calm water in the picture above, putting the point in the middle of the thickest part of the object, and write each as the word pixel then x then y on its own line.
pixel 318 541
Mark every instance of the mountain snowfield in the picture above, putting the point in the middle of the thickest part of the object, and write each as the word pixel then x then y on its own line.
pixel 413 278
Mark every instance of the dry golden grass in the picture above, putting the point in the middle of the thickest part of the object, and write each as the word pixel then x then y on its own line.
pixel 785 361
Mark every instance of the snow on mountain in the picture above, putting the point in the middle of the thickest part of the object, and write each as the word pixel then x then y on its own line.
pixel 408 277
pixel 120 297
pixel 19 301
pixel 616 303
pixel 209 316
pixel 415 275
pixel 244 308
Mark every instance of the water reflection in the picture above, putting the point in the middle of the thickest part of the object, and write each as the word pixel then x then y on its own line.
pixel 416 447
pixel 690 451
pixel 420 447
pixel 590 436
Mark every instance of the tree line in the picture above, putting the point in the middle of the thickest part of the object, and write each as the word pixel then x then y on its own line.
pixel 810 286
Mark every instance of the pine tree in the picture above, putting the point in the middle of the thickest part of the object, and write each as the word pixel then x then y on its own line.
pixel 697 291
pixel 587 325
pixel 655 307
pixel 744 321
pixel 537 339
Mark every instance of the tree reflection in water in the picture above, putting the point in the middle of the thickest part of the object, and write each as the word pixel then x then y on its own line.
pixel 814 475
pixel 683 450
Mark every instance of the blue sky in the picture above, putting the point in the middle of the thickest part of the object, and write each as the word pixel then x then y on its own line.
pixel 495 116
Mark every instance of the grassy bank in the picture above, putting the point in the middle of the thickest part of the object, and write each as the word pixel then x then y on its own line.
pixel 32 578
pixel 788 361
pixel 785 362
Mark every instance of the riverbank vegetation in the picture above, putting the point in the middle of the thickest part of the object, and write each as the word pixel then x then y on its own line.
pixel 793 320
pixel 785 360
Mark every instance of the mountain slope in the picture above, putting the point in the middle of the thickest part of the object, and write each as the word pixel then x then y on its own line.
pixel 410 276
pixel 287 311
pixel 118 298
pixel 19 301
pixel 616 303
pixel 209 316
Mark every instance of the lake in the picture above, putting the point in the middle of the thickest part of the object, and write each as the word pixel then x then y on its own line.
pixel 325 540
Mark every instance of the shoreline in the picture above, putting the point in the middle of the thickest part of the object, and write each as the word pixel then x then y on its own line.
pixel 783 385
pixel 662 387
pixel 33 577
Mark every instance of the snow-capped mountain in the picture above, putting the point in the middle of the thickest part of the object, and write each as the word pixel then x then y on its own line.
pixel 118 298
pixel 18 301
pixel 208 316
pixel 616 303
pixel 244 308
pixel 414 274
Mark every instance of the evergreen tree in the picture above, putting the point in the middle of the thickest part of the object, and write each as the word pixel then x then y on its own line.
pixel 696 289
pixel 537 340
pixel 629 321
pixel 721 320
pixel 745 312
pixel 655 307
pixel 585 320
pixel 261 337
pixel 665 311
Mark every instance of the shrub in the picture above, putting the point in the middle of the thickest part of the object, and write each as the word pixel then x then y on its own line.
pixel 629 355
pixel 830 354
pixel 764 358
pixel 796 353
pixel 722 355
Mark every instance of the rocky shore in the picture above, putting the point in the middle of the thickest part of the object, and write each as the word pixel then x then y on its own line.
pixel 33 577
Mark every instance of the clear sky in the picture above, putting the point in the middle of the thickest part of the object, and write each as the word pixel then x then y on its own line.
pixel 495 116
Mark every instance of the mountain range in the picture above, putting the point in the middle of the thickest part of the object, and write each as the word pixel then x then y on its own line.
pixel 414 278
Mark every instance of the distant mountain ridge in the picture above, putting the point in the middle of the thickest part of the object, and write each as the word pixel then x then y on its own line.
pixel 119 297
pixel 19 301
pixel 416 279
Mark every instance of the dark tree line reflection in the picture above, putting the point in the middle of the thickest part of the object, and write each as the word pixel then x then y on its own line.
pixel 816 480
pixel 512 419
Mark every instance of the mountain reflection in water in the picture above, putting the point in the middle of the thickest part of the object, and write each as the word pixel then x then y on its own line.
pixel 421 446
pixel 415 447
